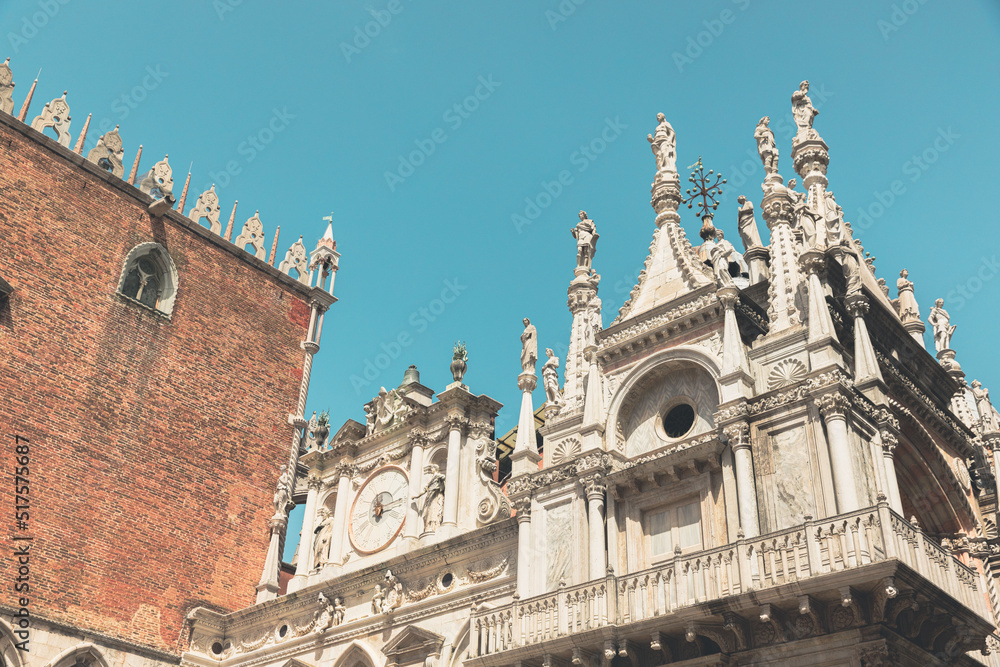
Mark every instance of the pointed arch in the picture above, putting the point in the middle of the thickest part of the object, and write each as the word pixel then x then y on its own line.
pixel 82 655
pixel 149 277
pixel 8 649
pixel 359 654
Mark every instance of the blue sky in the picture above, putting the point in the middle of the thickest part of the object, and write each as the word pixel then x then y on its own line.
pixel 431 132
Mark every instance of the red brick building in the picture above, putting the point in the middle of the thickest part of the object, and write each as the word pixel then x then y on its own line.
pixel 155 424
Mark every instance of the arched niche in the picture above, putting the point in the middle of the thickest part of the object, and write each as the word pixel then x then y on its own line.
pixel 642 414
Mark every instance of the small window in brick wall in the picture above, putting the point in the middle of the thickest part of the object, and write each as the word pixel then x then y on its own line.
pixel 149 278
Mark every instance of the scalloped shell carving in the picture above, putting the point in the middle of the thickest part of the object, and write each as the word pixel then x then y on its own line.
pixel 785 373
pixel 565 450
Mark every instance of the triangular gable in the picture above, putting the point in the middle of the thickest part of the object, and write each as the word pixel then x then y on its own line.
pixel 411 640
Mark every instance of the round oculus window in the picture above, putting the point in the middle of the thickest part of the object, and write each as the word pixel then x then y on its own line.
pixel 678 420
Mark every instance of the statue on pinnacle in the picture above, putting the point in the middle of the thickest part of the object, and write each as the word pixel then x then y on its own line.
pixel 664 145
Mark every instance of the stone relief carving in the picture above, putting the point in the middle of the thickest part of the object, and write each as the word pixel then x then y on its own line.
pixel 330 614
pixel 108 153
pixel 252 233
pixel 388 409
pixel 662 318
pixel 495 504
pixel 785 373
pixel 55 115
pixel 296 257
pixel 479 576
pixel 565 451
pixel 208 207
pixel 393 593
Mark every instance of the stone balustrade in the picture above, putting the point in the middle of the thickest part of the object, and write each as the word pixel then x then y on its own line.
pixel 845 542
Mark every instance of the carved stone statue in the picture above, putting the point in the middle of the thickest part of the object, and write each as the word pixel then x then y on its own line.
pixel 393 593
pixel 803 112
pixel 550 378
pixel 325 616
pixel 847 254
pixel 586 237
pixel 909 311
pixel 766 147
pixel 720 251
pixel 323 534
pixel 6 88
pixel 339 610
pixel 664 145
pixel 283 491
pixel 747 224
pixel 529 347
pixel 432 510
pixel 389 407
pixel 941 325
pixel 987 417
pixel 369 418
pixel 378 600
pixel 806 218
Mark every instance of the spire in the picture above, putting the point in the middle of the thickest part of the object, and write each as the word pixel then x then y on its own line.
pixel 325 257
pixel 27 100
pixel 525 456
pixel 184 192
pixel 83 136
pixel 274 245
pixel 232 221
pixel 592 428
pixel 135 166
pixel 671 269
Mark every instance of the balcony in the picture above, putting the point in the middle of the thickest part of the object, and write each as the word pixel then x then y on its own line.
pixel 856 562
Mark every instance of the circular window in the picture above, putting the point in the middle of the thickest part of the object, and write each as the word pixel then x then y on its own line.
pixel 217 648
pixel 678 420
pixel 447 580
pixel 282 631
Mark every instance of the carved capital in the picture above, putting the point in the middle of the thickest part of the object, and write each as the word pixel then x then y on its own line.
pixel 417 437
pixel 456 422
pixel 310 347
pixel 778 209
pixel 738 435
pixel 728 296
pixel 889 442
pixel 813 261
pixel 314 482
pixel 857 305
pixel 833 406
pixel 523 508
pixel 594 488
pixel 527 381
pixel 479 430
pixel 345 470
pixel 992 442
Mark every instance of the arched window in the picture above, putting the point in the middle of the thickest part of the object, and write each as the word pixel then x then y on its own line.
pixel 149 277
pixel 83 655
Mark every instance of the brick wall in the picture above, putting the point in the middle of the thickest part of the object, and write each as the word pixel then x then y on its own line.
pixel 154 443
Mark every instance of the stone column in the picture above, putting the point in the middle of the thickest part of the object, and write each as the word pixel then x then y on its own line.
pixel 778 210
pixel 417 442
pixel 595 520
pixel 736 380
pixel 267 589
pixel 344 474
pixel 611 528
pixel 305 562
pixel 738 435
pixel 889 442
pixel 834 409
pixel 867 376
pixel 523 507
pixel 822 339
pixel 456 424
pixel 756 259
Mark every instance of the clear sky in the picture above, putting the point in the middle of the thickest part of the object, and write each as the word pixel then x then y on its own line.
pixel 437 135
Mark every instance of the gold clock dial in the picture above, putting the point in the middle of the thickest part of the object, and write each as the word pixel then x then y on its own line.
pixel 379 509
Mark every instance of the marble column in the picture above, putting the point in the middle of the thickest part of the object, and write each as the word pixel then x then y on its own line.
pixel 736 380
pixel 267 588
pixel 834 409
pixel 344 474
pixel 738 435
pixel 523 507
pixel 456 425
pixel 611 528
pixel 417 442
pixel 595 519
pixel 889 442
pixel 305 561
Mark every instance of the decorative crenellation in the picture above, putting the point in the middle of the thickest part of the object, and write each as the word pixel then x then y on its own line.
pixel 55 115
pixel 109 153
pixel 296 258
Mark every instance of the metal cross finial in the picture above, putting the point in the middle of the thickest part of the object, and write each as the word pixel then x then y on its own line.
pixel 704 188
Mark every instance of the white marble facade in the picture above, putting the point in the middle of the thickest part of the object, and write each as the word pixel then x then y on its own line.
pixel 730 475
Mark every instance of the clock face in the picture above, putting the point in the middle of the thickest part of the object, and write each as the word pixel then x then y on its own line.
pixel 379 510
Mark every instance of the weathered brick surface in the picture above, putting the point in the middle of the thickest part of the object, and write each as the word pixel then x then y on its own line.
pixel 154 443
